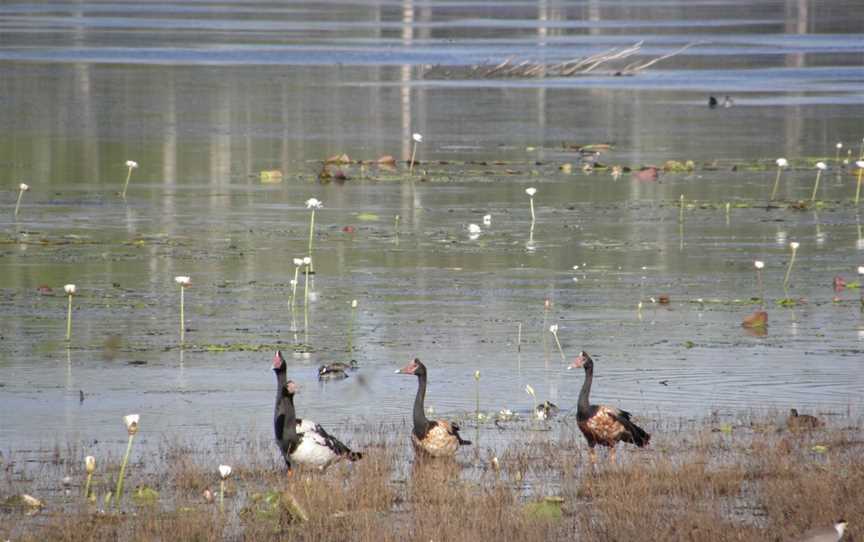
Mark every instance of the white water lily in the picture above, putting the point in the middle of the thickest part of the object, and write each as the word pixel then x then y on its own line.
pixel 531 191
pixel 860 163
pixel 418 137
pixel 822 165
pixel 313 203
pixel 759 264
pixel 553 328
pixel 487 220
pixel 782 162
pixel 353 303
pixel 861 269
pixel 131 164
pixel 182 280
pixel 131 421
pixel 839 145
pixel 224 471
pixel 794 245
pixel 307 260
pixel 23 187
pixel 90 464
pixel 69 289
pixel 474 229
pixel 477 375
pixel 298 261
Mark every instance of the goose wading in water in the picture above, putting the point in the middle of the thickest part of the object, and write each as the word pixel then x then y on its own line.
pixel 302 441
pixel 435 438
pixel 601 424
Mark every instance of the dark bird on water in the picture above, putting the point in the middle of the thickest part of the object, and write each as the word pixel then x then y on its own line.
pixel 602 424
pixel 336 371
pixel 435 438
pixel 302 441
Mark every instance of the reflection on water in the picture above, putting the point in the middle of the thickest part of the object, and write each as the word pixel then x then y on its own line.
pixel 226 92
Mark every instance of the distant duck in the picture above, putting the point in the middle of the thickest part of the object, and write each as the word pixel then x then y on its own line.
pixel 336 371
pixel 435 438
pixel 603 424
pixel 728 102
pixel 824 534
pixel 302 441
pixel 802 422
pixel 712 102
pixel 546 410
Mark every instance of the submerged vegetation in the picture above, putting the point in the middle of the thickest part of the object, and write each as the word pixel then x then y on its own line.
pixel 746 478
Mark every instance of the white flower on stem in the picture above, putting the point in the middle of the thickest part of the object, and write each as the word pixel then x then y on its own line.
pixel 418 137
pixel 131 421
pixel 292 282
pixel 131 164
pixel 313 203
pixel 224 471
pixel 23 187
pixel 839 145
pixel 794 245
pixel 531 191
pixel 759 264
pixel 861 269
pixel 69 289
pixel 860 163
pixel 530 391
pixel 822 165
pixel 477 375
pixel 307 260
pixel 90 464
pixel 553 328
pixel 487 220
pixel 474 229
pixel 182 281
pixel 782 162
pixel 353 303
pixel 298 261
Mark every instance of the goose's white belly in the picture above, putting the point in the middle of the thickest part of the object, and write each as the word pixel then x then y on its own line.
pixel 313 450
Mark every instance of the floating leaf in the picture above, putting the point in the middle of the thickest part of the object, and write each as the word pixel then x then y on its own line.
pixel 819 449
pixel 145 495
pixel 759 319
pixel 367 217
pixel 548 509
pixel 271 176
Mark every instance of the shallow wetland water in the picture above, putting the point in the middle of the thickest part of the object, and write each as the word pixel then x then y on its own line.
pixel 223 93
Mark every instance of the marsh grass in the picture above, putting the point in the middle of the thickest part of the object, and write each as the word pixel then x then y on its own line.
pixel 734 478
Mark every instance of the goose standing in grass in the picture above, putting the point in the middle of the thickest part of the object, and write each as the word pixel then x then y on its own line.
pixel 601 424
pixel 435 438
pixel 802 422
pixel 824 534
pixel 302 441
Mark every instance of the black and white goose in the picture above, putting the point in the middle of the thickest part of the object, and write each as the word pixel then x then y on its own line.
pixel 302 441
pixel 435 438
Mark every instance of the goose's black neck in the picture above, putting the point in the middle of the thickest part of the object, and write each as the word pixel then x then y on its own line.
pixel 421 424
pixel 289 431
pixel 584 406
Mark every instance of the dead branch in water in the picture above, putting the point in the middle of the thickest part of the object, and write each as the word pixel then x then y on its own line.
pixel 513 67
